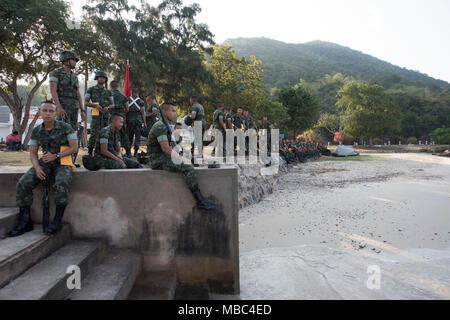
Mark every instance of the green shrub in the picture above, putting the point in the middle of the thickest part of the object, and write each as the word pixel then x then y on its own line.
pixel 411 140
pixel 377 141
pixel 441 136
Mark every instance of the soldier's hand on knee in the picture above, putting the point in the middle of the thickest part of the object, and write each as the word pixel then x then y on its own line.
pixel 40 172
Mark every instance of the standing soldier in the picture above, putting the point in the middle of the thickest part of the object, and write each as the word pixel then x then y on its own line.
pixel 65 91
pixel 238 124
pixel 249 121
pixel 58 141
pixel 121 108
pixel 135 117
pixel 259 125
pixel 151 112
pixel 238 120
pixel 229 118
pixel 197 113
pixel 268 126
pixel 219 124
pixel 100 99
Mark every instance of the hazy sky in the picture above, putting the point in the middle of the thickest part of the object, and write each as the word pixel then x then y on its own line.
pixel 409 33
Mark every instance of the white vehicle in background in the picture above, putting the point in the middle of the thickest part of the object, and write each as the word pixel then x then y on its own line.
pixel 344 151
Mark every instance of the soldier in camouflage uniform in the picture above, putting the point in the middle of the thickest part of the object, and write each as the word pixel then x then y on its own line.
pixel 238 124
pixel 229 118
pixel 120 107
pixel 151 112
pixel 101 100
pixel 135 119
pixel 159 146
pixel 267 126
pixel 197 113
pixel 65 91
pixel 219 124
pixel 107 150
pixel 249 123
pixel 51 135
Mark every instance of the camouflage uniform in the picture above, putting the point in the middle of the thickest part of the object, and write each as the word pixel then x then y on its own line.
pixel 268 126
pixel 218 114
pixel 149 110
pixel 50 141
pixel 112 138
pixel 104 97
pixel 199 111
pixel 248 122
pixel 229 116
pixel 135 121
pixel 238 121
pixel 120 101
pixel 67 90
pixel 159 160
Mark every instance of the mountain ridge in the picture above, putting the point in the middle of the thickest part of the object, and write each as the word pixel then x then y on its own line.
pixel 287 63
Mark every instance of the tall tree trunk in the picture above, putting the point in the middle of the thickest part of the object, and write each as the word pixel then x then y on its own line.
pixel 341 137
pixel 30 129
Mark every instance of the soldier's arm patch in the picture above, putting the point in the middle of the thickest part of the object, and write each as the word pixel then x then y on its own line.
pixel 53 79
pixel 162 138
pixel 72 136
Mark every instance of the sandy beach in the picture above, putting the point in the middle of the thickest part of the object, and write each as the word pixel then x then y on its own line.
pixel 328 223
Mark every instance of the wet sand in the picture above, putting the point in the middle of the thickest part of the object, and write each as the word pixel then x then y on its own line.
pixel 393 212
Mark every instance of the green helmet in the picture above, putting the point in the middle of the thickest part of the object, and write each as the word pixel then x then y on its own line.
pixel 101 73
pixel 66 55
pixel 90 163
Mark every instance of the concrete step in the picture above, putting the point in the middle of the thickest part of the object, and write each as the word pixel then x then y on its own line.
pixel 198 291
pixel 9 218
pixel 113 279
pixel 155 285
pixel 20 253
pixel 47 280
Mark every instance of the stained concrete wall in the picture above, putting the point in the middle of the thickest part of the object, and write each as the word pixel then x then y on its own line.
pixel 154 212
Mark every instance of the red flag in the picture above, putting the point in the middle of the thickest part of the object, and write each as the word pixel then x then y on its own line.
pixel 127 91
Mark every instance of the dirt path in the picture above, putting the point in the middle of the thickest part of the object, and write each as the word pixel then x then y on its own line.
pixel 392 212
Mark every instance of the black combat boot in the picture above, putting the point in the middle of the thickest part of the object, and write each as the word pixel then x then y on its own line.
pixel 202 203
pixel 128 153
pixel 135 152
pixel 25 225
pixel 56 224
pixel 90 150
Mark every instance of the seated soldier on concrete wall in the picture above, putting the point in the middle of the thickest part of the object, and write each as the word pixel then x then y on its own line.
pixel 107 153
pixel 160 147
pixel 58 141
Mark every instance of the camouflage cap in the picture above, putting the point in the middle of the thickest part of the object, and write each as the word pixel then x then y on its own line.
pixel 66 55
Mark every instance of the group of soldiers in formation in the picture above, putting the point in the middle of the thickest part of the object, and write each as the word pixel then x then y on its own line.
pixel 117 122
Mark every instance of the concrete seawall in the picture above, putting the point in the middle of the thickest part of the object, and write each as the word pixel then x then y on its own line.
pixel 154 212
